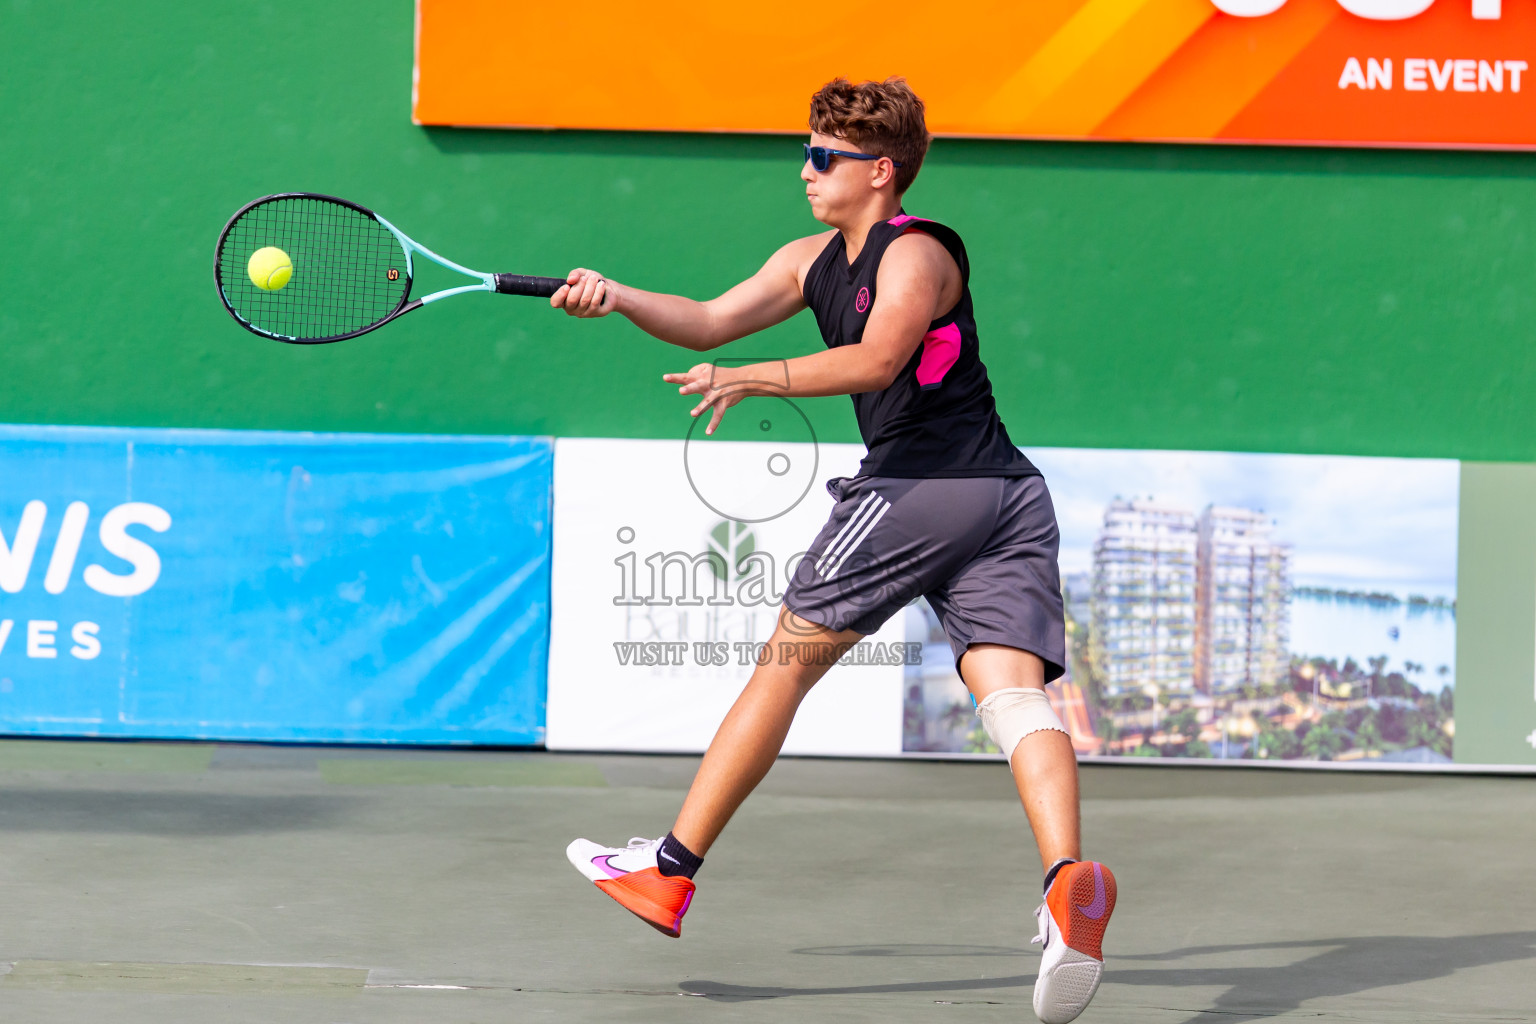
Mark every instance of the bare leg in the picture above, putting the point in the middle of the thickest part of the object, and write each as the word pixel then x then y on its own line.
pixel 1044 765
pixel 748 741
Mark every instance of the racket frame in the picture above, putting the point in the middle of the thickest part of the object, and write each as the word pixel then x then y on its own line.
pixel 408 245
pixel 487 281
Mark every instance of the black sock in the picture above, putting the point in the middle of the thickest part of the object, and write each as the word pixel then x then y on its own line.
pixel 676 859
pixel 1050 876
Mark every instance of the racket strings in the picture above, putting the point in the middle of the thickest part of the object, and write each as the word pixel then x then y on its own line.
pixel 341 257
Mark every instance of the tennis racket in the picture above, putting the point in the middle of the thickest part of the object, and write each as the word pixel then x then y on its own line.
pixel 351 270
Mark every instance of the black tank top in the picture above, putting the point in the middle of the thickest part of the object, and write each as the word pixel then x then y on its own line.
pixel 938 418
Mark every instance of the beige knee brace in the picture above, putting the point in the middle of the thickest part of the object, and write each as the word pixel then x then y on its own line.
pixel 1010 715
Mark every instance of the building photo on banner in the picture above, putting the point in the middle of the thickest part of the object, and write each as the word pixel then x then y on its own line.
pixel 1242 606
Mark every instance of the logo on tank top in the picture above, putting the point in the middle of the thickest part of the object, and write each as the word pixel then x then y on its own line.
pixel 861 301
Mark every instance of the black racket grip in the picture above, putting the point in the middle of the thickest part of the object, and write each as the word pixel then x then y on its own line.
pixel 517 284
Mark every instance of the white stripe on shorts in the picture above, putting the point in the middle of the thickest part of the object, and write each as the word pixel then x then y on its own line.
pixel 869 504
pixel 885 507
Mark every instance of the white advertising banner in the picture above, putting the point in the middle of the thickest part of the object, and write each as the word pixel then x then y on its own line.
pixel 670 563
pixel 1306 605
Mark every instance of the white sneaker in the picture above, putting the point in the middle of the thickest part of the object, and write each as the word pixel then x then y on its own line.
pixel 1072 922
pixel 600 862
pixel 631 876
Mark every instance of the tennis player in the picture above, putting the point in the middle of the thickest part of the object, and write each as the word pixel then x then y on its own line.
pixel 943 506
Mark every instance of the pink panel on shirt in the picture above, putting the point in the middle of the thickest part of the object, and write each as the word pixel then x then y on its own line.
pixel 941 347
pixel 940 350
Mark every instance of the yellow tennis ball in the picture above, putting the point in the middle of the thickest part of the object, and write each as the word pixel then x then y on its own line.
pixel 270 268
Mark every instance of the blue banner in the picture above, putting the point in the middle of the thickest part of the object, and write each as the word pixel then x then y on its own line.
pixel 274 586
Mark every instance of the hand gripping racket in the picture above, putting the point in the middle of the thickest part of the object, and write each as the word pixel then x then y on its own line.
pixel 351 270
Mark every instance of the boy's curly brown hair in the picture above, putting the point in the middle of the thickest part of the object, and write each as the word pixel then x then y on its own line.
pixel 883 118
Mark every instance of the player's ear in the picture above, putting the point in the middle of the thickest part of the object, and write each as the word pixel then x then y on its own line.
pixel 883 172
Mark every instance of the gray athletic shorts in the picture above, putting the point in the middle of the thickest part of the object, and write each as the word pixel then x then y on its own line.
pixel 981 549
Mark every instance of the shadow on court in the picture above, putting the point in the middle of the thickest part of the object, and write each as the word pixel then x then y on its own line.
pixel 1341 967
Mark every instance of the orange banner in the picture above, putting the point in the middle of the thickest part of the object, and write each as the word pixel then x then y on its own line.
pixel 1376 72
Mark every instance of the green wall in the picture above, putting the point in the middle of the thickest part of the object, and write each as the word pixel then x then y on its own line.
pixel 1140 296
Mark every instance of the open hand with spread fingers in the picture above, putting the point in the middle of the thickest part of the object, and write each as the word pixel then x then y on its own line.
pixel 718 388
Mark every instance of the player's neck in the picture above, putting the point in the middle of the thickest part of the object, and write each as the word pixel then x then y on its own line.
pixel 856 229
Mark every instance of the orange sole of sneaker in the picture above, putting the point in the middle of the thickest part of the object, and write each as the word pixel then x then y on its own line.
pixel 1090 894
pixel 658 900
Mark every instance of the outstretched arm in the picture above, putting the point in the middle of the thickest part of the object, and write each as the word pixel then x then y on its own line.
pixel 767 297
pixel 918 282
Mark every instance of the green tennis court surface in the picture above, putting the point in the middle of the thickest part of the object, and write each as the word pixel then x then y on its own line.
pixel 166 883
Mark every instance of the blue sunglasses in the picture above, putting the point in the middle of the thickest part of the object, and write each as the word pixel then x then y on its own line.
pixel 821 157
